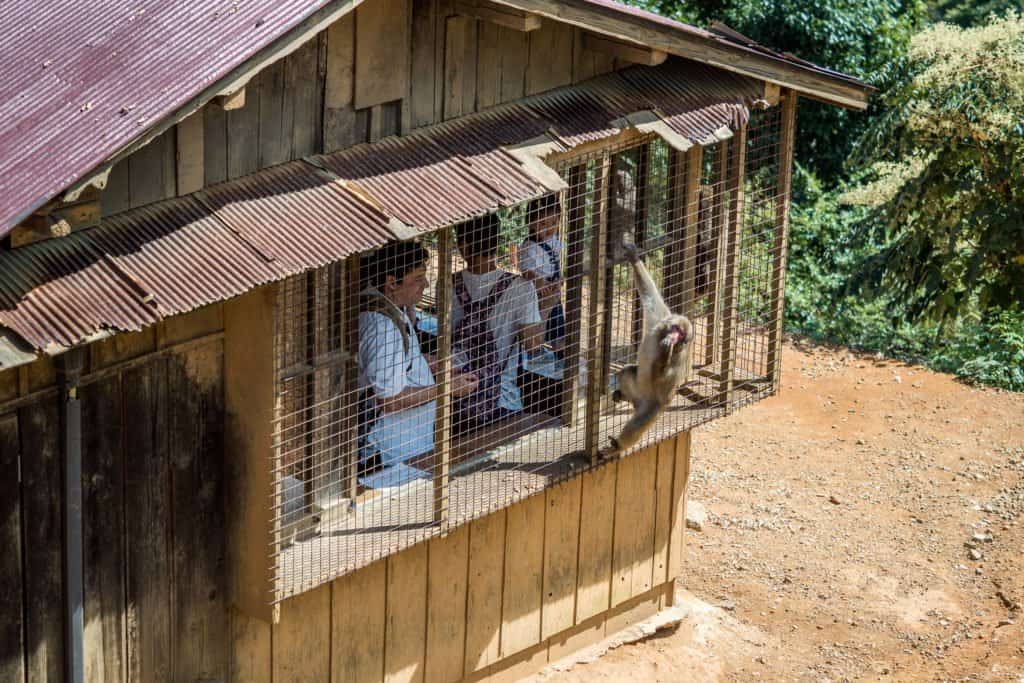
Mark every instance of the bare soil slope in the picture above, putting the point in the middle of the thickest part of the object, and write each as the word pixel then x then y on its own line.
pixel 865 524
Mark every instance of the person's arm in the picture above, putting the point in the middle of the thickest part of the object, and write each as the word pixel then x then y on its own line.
pixel 545 292
pixel 530 324
pixel 409 397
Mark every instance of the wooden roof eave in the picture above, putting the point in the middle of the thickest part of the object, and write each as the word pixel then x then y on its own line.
pixel 807 82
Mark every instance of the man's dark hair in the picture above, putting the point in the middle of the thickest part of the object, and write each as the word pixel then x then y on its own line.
pixel 396 259
pixel 479 237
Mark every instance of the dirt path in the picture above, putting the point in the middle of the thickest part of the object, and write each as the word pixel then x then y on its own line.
pixel 866 524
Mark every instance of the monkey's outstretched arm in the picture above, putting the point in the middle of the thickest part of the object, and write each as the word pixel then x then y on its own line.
pixel 646 413
pixel 650 297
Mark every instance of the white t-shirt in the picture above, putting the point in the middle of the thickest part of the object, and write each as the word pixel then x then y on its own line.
pixel 534 259
pixel 387 369
pixel 516 307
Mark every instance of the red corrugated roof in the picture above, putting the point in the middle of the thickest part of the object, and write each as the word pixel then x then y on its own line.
pixel 81 81
pixel 168 258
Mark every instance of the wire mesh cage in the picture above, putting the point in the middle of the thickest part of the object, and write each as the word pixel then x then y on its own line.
pixel 436 380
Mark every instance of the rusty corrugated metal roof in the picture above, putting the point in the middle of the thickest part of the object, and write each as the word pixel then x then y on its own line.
pixel 171 257
pixel 62 291
pixel 81 81
pixel 297 217
pixel 179 257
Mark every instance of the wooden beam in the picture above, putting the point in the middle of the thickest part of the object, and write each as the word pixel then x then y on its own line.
pixel 719 215
pixel 235 100
pixel 350 337
pixel 627 52
pixel 576 219
pixel 778 281
pixel 516 20
pixel 691 219
pixel 598 283
pixel 189 154
pixel 250 409
pixel 643 163
pixel 682 41
pixel 733 238
pixel 58 221
pixel 443 420
pixel 772 94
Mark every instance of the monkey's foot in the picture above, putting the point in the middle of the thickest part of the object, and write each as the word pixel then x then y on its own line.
pixel 611 452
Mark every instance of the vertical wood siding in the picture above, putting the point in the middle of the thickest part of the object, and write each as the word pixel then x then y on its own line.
pixel 388 67
pixel 155 604
pixel 499 596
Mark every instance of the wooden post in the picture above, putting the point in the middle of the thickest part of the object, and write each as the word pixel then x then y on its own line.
pixel 350 332
pixel 719 215
pixel 251 410
pixel 684 174
pixel 443 421
pixel 596 349
pixel 732 256
pixel 575 241
pixel 675 208
pixel 643 163
pixel 691 218
pixel 773 366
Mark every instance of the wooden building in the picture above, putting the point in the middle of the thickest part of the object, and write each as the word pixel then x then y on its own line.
pixel 171 174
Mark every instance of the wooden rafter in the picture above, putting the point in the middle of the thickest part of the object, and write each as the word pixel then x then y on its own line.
pixel 627 52
pixel 692 44
pixel 235 100
pixel 502 16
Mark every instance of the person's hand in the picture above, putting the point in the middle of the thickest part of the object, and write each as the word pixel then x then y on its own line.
pixel 464 384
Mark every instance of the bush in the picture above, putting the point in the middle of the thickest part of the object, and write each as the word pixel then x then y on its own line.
pixel 988 351
pixel 825 300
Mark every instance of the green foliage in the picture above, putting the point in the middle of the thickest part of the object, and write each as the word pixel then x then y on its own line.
pixel 862 38
pixel 987 351
pixel 947 185
pixel 967 13
pixel 825 301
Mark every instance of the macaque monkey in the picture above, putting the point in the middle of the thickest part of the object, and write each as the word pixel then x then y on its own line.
pixel 662 362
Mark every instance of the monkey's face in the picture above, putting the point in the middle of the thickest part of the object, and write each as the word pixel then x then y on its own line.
pixel 677 332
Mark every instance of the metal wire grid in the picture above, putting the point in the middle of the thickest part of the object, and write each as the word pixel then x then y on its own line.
pixel 384 439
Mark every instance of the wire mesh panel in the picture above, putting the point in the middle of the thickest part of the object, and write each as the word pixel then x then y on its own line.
pixel 436 380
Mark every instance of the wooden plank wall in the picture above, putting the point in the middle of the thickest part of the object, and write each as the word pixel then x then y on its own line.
pixel 498 597
pixel 386 68
pixel 155 599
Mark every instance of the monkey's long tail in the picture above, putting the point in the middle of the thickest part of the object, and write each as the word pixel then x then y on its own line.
pixel 646 414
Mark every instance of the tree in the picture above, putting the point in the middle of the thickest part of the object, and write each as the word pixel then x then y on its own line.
pixel 862 38
pixel 947 182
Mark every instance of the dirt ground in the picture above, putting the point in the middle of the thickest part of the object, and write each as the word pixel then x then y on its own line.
pixel 865 524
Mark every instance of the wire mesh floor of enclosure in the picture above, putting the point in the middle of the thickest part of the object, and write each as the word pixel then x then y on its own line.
pixel 437 380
